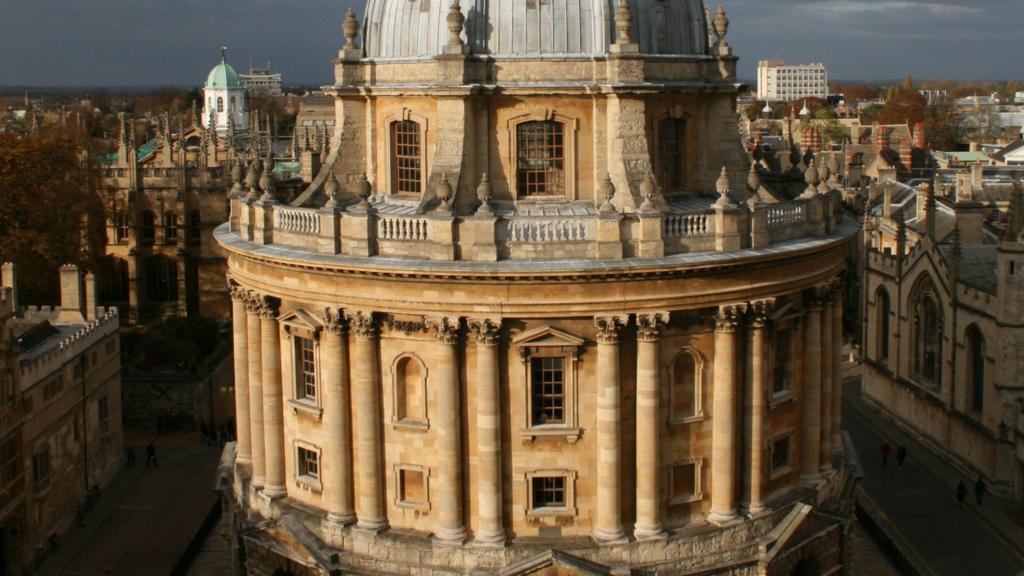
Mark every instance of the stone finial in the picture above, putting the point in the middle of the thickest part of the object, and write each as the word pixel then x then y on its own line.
pixel 350 28
pixel 252 179
pixel 647 190
pixel 607 191
pixel 237 177
pixel 753 178
pixel 724 188
pixel 455 24
pixel 721 26
pixel 331 190
pixel 833 165
pixel 483 193
pixel 623 22
pixel 811 178
pixel 443 191
pixel 267 184
pixel 363 189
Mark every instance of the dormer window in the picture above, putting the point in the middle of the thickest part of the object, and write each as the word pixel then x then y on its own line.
pixel 406 158
pixel 540 159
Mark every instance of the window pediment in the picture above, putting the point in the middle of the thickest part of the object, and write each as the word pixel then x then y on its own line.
pixel 547 336
pixel 302 321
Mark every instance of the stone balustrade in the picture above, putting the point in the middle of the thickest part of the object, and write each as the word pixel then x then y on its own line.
pixel 442 236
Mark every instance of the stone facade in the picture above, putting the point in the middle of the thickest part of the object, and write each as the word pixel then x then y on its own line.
pixel 523 309
pixel 944 333
pixel 69 390
pixel 12 475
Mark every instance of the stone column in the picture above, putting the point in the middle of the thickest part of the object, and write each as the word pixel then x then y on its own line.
pixel 337 464
pixel 825 447
pixel 837 376
pixel 608 527
pixel 488 422
pixel 273 399
pixel 253 304
pixel 811 437
pixel 648 425
pixel 723 416
pixel 755 407
pixel 370 463
pixel 240 345
pixel 450 528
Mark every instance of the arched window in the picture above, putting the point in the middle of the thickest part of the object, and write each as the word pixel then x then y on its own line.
pixel 927 343
pixel 410 389
pixel 195 227
pixel 672 153
pixel 113 280
pixel 882 325
pixel 540 159
pixel 170 226
pixel 685 393
pixel 220 103
pixel 231 107
pixel 406 158
pixel 976 368
pixel 161 279
pixel 121 226
pixel 148 227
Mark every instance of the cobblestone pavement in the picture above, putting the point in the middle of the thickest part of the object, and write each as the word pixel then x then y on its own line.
pixel 146 518
pixel 918 500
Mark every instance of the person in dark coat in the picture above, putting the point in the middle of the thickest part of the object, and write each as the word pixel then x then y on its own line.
pixel 151 455
pixel 979 489
pixel 961 492
pixel 885 448
pixel 901 455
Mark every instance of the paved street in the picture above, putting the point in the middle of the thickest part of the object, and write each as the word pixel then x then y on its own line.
pixel 919 501
pixel 146 518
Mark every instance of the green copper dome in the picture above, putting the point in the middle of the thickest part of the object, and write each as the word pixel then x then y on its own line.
pixel 223 76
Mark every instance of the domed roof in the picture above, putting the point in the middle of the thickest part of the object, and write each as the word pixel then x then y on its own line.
pixel 532 28
pixel 223 76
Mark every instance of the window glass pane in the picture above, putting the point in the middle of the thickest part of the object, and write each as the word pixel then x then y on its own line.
pixel 548 492
pixel 412 487
pixel 406 166
pixel 781 361
pixel 540 159
pixel 684 481
pixel 548 380
pixel 306 365
pixel 780 453
pixel 684 379
pixel 671 149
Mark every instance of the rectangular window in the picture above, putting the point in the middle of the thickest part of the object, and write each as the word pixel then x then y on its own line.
pixel 412 486
pixel 782 361
pixel 685 484
pixel 540 159
pixel 406 163
pixel 671 145
pixel 305 368
pixel 309 463
pixel 548 492
pixel 41 468
pixel 780 454
pixel 548 384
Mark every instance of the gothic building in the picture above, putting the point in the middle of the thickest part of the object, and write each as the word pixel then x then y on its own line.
pixel 522 320
pixel 944 330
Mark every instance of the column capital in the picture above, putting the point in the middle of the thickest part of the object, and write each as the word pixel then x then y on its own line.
pixel 445 329
pixel 335 321
pixel 363 323
pixel 815 297
pixel 649 325
pixel 608 328
pixel 727 317
pixel 238 293
pixel 266 307
pixel 760 310
pixel 486 330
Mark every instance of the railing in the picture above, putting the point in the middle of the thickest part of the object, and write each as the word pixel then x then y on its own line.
pixel 297 220
pixel 685 225
pixel 547 230
pixel 787 214
pixel 402 228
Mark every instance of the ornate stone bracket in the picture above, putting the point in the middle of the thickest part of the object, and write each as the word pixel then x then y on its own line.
pixel 407 327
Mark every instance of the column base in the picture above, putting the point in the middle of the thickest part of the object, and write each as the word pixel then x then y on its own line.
pixel 826 468
pixel 275 492
pixel 449 536
pixel 340 519
pixel 650 532
pixel 810 479
pixel 723 518
pixel 605 537
pixel 489 539
pixel 754 511
pixel 372 525
pixel 257 482
pixel 243 460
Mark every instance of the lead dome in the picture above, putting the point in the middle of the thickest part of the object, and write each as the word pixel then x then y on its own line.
pixel 524 28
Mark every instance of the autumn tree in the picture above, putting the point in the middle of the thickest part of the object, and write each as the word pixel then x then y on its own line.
pixel 906 108
pixel 943 127
pixel 908 83
pixel 51 212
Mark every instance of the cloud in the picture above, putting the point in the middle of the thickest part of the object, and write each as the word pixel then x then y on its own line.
pixel 842 7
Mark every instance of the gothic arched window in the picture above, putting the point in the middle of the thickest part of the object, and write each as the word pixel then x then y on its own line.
pixel 220 103
pixel 161 279
pixel 113 280
pixel 406 158
pixel 976 368
pixel 927 326
pixel 882 325
pixel 672 153
pixel 540 159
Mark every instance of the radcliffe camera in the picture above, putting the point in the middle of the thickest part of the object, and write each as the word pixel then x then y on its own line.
pixel 510 288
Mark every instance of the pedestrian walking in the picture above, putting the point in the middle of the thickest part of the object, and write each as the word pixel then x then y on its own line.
pixel 129 457
pixel 151 455
pixel 901 455
pixel 961 492
pixel 979 489
pixel 885 448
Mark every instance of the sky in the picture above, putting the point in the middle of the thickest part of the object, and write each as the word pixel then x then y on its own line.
pixel 175 42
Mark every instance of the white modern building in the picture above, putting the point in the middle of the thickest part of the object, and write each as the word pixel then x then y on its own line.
pixel 261 81
pixel 778 81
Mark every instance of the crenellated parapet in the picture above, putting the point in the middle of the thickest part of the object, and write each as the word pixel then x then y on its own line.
pixel 37 365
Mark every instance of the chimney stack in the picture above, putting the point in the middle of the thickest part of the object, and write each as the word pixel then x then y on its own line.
pixel 920 138
pixel 9 279
pixel 71 295
pixel 907 155
pixel 90 296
